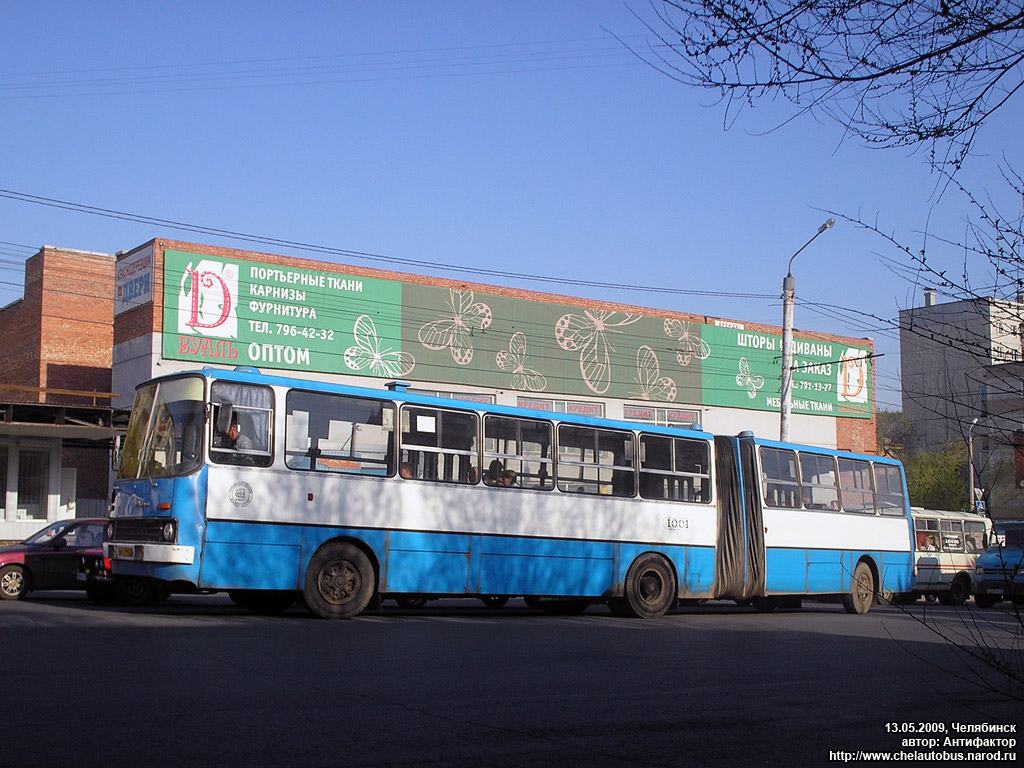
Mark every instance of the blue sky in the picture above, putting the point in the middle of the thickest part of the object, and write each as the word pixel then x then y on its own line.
pixel 515 136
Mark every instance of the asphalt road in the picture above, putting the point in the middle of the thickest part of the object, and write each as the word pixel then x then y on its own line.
pixel 196 681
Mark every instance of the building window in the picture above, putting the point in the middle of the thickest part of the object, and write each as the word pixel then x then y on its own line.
pixel 3 482
pixel 33 484
pixel 685 418
pixel 571 407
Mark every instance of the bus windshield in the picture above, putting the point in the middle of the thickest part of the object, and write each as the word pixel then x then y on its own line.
pixel 165 433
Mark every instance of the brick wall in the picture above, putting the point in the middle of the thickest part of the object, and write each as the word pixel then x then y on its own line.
pixel 77 323
pixel 20 329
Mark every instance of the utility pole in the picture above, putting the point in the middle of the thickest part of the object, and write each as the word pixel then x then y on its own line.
pixel 788 292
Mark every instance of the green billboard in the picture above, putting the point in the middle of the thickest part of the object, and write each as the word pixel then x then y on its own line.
pixel 233 311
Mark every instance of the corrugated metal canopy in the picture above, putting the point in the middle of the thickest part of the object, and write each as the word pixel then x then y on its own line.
pixel 67 422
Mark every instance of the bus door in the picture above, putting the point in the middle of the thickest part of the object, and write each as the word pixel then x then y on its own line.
pixel 739 549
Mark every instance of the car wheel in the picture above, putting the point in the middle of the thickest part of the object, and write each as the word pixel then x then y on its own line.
pixel 985 601
pixel 135 590
pixel 13 582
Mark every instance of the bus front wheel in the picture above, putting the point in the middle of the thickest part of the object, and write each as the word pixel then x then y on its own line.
pixel 339 581
pixel 862 590
pixel 649 591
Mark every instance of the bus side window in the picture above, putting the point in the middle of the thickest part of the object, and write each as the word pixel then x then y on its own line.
pixel 781 487
pixel 242 424
pixel 440 444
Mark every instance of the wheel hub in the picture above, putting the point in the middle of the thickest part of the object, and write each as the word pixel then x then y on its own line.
pixel 338 581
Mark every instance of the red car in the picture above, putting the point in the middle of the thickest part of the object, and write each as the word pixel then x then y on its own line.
pixel 47 560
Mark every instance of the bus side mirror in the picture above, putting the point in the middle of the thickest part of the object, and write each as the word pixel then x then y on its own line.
pixel 223 418
pixel 115 452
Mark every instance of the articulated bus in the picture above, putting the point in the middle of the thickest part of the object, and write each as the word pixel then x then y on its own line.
pixel 277 489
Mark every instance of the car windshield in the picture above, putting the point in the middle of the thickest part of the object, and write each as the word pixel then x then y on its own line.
pixel 165 431
pixel 47 534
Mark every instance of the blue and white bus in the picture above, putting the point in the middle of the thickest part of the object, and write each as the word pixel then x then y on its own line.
pixel 276 489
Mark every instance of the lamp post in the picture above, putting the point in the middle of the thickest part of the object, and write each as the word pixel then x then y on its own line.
pixel 788 289
pixel 972 504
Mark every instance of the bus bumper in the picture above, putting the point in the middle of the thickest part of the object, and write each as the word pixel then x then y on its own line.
pixel 150 553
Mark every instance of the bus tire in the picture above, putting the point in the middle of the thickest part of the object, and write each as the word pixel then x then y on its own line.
pixel 862 590
pixel 494 601
pixel 959 591
pixel 339 581
pixel 649 591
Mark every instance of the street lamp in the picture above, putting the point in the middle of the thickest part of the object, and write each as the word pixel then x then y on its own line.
pixel 788 286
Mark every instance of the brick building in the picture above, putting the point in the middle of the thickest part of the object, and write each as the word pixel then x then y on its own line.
pixel 55 372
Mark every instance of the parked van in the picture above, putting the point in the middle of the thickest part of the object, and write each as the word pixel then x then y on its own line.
pixel 999 572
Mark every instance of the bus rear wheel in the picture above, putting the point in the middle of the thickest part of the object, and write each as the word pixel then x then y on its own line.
pixel 862 590
pixel 650 589
pixel 339 581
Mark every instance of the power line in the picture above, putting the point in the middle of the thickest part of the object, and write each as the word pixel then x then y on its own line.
pixel 359 255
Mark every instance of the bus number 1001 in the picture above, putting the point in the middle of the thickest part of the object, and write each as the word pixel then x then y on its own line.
pixel 677 523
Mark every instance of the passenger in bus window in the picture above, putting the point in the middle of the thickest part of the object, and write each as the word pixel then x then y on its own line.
pixel 508 478
pixel 493 474
pixel 473 476
pixel 239 441
pixel 930 544
pixel 406 471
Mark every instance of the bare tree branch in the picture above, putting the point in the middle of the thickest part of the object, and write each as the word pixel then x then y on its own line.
pixel 905 73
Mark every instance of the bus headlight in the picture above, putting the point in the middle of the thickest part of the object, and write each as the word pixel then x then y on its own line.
pixel 168 531
pixel 979 571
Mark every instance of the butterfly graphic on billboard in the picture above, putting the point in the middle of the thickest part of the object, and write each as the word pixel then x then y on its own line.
pixel 748 380
pixel 368 352
pixel 514 361
pixel 455 330
pixel 653 386
pixel 691 345
pixel 588 335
